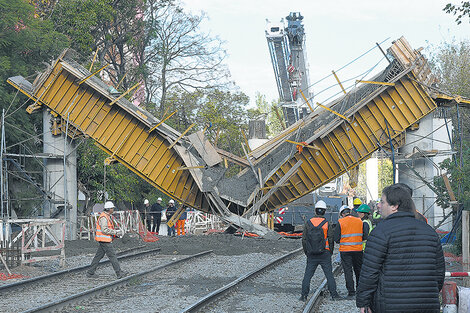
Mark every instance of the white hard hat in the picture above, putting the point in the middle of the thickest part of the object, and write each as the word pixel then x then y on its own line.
pixel 159 199
pixel 320 205
pixel 108 205
pixel 342 208
pixel 146 201
pixel 171 201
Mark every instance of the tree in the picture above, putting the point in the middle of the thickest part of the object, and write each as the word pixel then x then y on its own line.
pixel 26 42
pixel 274 124
pixel 460 11
pixel 179 56
pixel 221 113
pixel 451 62
pixel 119 183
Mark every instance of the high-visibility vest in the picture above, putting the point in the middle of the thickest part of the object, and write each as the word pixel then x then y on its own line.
pixel 351 234
pixel 315 222
pixel 370 229
pixel 99 234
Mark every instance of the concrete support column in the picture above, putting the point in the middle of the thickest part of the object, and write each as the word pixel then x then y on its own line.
pixel 64 192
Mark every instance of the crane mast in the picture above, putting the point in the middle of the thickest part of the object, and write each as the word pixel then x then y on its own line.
pixel 287 50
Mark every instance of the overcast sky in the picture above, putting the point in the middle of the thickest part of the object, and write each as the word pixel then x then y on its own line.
pixel 336 33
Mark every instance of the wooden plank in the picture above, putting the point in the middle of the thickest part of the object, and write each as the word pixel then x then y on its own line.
pixel 205 149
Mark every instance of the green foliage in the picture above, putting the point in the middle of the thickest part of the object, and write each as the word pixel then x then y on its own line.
pixel 222 113
pixel 385 174
pixel 120 184
pixel 82 21
pixel 25 43
pixel 267 111
pixel 451 61
pixel 460 11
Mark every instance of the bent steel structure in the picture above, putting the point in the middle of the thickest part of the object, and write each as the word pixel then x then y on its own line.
pixel 191 170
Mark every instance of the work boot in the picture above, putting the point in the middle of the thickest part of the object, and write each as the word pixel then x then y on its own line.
pixel 351 295
pixel 303 298
pixel 122 274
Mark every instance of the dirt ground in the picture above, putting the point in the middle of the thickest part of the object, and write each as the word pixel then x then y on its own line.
pixel 220 243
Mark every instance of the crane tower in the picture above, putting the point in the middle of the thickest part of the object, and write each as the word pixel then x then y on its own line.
pixel 288 56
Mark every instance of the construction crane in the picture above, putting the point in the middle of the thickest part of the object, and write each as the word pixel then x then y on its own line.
pixel 288 56
pixel 188 168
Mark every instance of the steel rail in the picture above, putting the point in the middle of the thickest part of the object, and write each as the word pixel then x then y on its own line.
pixel 213 296
pixel 38 279
pixel 316 297
pixel 59 304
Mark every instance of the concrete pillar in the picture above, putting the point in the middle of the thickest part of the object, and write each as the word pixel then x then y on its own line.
pixel 431 135
pixel 54 177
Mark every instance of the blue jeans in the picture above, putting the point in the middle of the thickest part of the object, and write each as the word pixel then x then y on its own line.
pixel 171 230
pixel 324 260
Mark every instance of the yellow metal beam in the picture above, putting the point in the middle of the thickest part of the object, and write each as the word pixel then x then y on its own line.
pixel 162 121
pixel 125 93
pixel 94 58
pixel 306 100
pixel 374 82
pixel 182 168
pixel 334 112
pixel 91 75
pixel 181 136
pixel 339 82
pixel 302 144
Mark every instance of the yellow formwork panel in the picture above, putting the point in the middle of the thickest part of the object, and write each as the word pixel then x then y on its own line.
pixel 119 134
pixel 350 143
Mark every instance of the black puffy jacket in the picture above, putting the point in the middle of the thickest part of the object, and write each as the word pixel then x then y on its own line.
pixel 403 267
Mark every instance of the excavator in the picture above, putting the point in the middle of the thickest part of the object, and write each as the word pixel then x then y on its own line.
pixel 188 168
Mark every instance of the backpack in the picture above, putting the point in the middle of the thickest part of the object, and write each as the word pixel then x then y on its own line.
pixel 315 238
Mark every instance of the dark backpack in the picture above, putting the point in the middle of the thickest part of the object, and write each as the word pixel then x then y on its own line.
pixel 315 238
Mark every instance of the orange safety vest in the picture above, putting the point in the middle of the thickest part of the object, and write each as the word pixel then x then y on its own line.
pixel 99 236
pixel 351 234
pixel 316 221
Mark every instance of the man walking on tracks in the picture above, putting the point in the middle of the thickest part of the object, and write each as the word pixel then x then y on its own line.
pixel 350 233
pixel 404 267
pixel 105 233
pixel 318 247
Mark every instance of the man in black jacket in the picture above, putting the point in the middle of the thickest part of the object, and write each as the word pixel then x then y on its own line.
pixel 156 211
pixel 403 267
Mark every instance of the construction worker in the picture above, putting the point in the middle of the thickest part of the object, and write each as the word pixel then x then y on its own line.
pixel 317 255
pixel 404 266
pixel 180 224
pixel 376 217
pixel 170 210
pixel 349 233
pixel 148 217
pixel 156 211
pixel 364 214
pixel 105 233
pixel 356 203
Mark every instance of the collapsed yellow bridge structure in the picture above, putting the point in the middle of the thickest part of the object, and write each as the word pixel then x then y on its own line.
pixel 188 168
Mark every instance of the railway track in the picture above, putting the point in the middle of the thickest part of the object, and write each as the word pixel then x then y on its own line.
pixel 254 290
pixel 26 294
pixel 196 283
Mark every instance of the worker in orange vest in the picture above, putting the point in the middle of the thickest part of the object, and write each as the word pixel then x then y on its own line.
pixel 180 231
pixel 318 247
pixel 350 233
pixel 105 233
